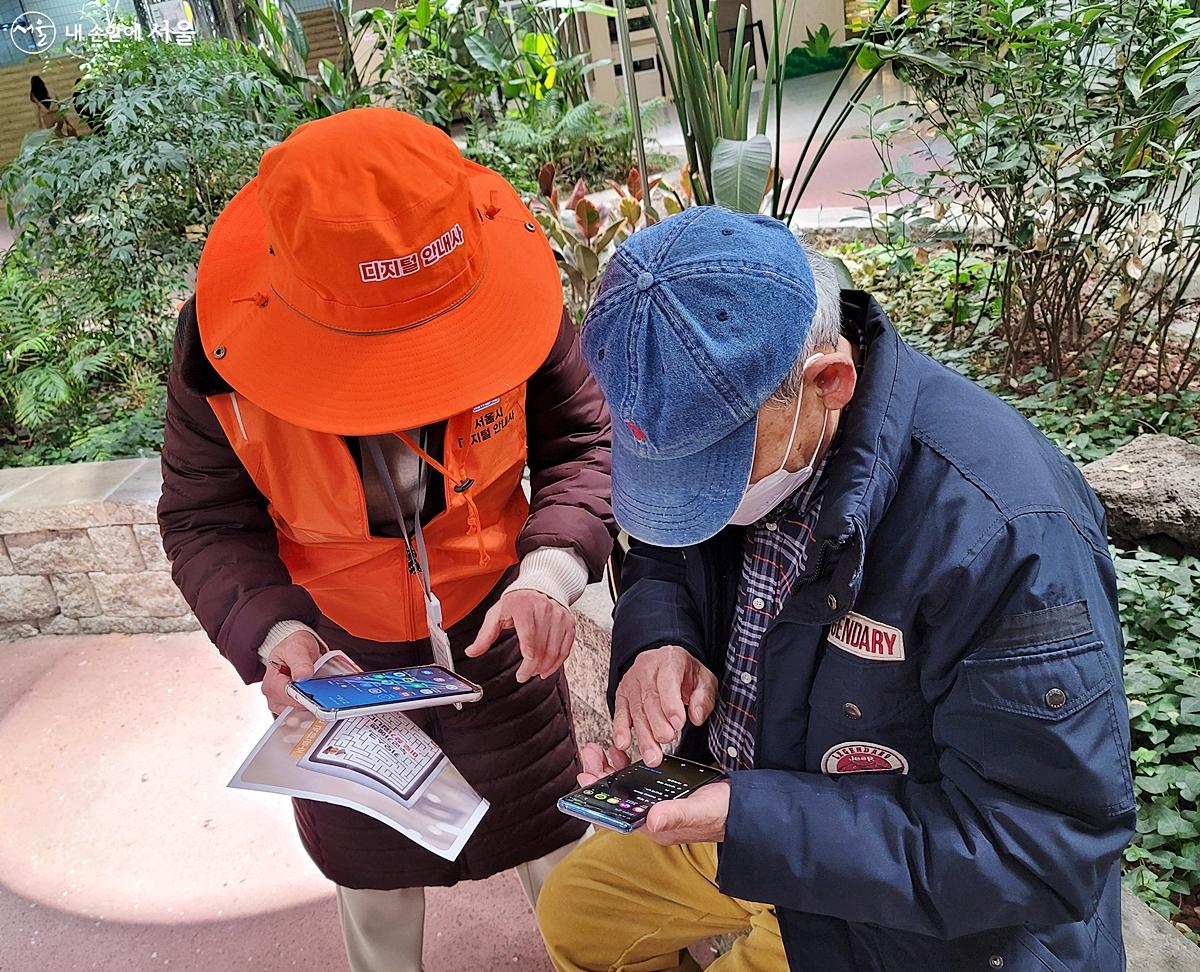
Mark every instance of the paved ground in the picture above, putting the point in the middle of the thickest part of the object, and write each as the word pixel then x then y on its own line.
pixel 122 848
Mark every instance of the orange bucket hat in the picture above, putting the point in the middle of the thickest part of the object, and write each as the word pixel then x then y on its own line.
pixel 370 279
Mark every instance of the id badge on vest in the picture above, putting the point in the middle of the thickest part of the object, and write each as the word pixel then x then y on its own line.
pixel 438 638
pixel 437 635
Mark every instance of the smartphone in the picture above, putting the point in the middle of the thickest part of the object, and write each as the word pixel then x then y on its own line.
pixel 622 800
pixel 394 690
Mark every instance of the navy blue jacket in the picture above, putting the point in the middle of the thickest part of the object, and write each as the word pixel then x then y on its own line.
pixel 942 777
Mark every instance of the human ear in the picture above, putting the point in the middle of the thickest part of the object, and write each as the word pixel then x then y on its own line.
pixel 833 379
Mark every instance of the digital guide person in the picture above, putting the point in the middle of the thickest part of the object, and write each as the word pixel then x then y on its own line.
pixel 375 355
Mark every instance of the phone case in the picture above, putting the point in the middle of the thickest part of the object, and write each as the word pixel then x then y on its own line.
pixel 332 715
pixel 622 826
pixel 599 820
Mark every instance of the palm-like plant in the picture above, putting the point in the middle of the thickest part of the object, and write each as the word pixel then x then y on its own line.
pixel 729 166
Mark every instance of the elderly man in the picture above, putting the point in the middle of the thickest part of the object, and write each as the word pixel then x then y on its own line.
pixel 376 352
pixel 881 601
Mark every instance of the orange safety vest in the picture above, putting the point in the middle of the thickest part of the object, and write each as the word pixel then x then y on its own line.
pixel 362 582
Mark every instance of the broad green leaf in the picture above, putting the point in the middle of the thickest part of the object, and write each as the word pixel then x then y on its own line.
pixel 740 170
pixel 484 53
pixel 868 58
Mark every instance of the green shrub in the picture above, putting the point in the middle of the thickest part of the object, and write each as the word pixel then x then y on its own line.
pixel 945 307
pixel 1067 134
pixel 800 63
pixel 592 142
pixel 109 230
pixel 1159 601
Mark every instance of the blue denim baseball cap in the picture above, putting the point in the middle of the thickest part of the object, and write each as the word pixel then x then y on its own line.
pixel 697 321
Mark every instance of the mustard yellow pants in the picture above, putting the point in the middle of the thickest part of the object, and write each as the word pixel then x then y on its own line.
pixel 621 903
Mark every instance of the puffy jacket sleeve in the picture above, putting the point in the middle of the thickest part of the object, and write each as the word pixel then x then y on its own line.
pixel 570 458
pixel 655 608
pixel 1035 800
pixel 216 530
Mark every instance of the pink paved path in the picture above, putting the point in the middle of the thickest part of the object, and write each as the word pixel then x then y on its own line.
pixel 121 848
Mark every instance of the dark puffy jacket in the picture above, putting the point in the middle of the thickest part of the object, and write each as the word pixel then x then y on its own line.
pixel 516 746
pixel 942 776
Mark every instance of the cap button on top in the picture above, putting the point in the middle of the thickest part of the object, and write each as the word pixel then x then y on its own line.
pixel 645 281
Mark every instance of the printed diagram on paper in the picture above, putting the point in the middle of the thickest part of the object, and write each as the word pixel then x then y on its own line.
pixel 387 749
pixel 382 765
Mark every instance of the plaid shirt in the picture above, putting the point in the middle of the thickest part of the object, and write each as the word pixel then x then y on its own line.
pixel 774 555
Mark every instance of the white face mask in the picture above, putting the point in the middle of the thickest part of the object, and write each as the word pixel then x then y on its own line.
pixel 762 497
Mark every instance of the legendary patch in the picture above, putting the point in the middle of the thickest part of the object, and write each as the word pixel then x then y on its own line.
pixel 868 639
pixel 862 757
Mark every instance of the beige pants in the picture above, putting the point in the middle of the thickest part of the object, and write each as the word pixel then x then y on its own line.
pixel 384 930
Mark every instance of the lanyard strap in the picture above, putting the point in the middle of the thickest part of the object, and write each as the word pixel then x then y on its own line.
pixel 389 487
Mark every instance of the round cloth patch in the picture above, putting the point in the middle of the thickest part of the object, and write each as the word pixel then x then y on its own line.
pixel 862 757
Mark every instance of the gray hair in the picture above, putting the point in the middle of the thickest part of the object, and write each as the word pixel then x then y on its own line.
pixel 826 326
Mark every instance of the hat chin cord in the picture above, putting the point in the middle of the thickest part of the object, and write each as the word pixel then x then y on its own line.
pixel 461 486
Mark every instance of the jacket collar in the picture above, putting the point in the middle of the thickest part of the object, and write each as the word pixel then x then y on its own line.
pixel 197 373
pixel 876 432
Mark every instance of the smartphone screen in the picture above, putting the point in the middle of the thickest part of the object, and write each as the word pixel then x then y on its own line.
pixel 337 692
pixel 627 795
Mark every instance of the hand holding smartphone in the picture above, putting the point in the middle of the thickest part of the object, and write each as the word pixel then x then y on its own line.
pixel 395 690
pixel 622 800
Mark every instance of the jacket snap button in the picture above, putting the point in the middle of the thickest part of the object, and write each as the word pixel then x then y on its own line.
pixel 831 600
pixel 996 961
pixel 852 710
pixel 1056 698
pixel 219 351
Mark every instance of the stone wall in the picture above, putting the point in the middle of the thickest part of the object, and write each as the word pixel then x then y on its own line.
pixel 80 552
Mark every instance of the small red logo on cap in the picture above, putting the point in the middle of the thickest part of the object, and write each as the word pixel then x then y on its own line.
pixel 637 433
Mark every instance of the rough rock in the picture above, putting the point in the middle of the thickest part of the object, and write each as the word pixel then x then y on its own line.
pixel 60 625
pixel 587 666
pixel 51 551
pixel 18 629
pixel 1152 943
pixel 76 596
pixel 150 542
pixel 107 625
pixel 26 599
pixel 6 565
pixel 117 550
pixel 1151 488
pixel 146 594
